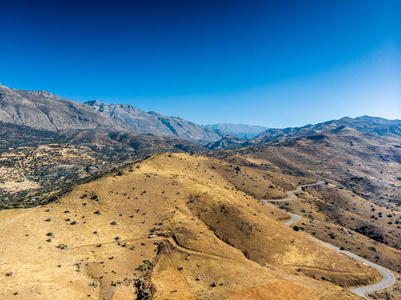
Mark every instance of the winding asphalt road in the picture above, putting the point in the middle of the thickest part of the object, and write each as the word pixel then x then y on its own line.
pixel 291 193
pixel 388 277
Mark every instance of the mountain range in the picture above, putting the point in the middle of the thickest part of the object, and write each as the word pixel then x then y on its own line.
pixel 42 110
pixel 46 111
pixel 367 124
pixel 106 201
pixel 156 123
pixel 239 130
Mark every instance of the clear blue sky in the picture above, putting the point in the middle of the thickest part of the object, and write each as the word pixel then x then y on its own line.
pixel 272 63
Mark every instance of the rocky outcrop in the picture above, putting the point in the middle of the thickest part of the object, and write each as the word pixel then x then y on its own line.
pixel 46 111
pixel 156 123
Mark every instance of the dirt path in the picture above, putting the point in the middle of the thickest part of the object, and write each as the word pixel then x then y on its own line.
pixel 388 277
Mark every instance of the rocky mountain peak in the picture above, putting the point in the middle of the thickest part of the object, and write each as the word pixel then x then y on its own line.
pixel 156 123
pixel 45 111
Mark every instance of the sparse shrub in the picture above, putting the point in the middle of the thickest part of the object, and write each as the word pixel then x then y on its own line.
pixel 147 265
pixel 49 234
pixel 296 228
pixel 62 246
pixel 371 248
pixel 94 197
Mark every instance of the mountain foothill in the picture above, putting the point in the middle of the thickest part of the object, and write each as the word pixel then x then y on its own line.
pixel 107 201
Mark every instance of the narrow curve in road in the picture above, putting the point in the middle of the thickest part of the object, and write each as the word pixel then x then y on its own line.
pixel 388 277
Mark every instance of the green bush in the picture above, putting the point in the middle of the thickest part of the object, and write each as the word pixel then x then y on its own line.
pixel 147 265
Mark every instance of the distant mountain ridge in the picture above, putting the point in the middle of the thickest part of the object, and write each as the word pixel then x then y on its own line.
pixel 156 123
pixel 45 111
pixel 365 124
pixel 239 130
pixel 227 142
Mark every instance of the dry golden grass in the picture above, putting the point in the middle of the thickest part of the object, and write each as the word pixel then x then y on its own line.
pixel 331 214
pixel 213 240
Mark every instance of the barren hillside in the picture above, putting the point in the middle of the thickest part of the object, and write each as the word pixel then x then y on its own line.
pixel 174 226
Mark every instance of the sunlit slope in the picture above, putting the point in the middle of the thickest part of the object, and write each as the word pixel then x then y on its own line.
pixel 202 238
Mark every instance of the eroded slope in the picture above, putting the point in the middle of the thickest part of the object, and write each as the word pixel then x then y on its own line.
pixel 171 226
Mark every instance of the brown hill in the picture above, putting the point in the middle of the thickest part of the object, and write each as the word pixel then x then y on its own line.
pixel 33 162
pixel 174 226
pixel 360 208
pixel 227 142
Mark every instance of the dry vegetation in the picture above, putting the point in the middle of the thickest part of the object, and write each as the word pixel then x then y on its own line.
pixel 359 210
pixel 175 226
pixel 34 162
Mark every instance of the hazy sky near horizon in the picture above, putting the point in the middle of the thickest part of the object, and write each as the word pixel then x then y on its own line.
pixel 271 63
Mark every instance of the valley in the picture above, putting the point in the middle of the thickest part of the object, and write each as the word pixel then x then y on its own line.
pixel 110 202
pixel 200 150
pixel 111 238
pixel 388 278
